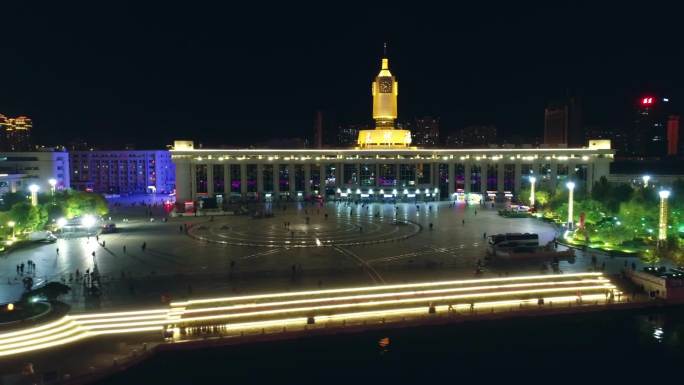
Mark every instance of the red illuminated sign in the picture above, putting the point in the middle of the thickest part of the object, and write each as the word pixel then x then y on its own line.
pixel 647 101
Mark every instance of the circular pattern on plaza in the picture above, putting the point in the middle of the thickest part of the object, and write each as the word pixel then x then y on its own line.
pixel 319 232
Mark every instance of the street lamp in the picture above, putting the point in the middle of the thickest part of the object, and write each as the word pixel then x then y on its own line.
pixel 533 180
pixel 662 224
pixel 646 178
pixel 11 224
pixel 34 194
pixel 53 183
pixel 571 189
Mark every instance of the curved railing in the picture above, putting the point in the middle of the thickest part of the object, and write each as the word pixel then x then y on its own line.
pixel 281 310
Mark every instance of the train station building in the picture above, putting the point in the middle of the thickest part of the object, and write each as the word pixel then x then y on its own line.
pixel 383 166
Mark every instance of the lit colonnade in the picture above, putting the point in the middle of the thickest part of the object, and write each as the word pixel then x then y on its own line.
pixel 377 174
pixel 293 311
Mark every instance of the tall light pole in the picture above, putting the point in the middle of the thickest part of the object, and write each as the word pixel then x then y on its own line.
pixel 533 180
pixel 53 183
pixel 11 224
pixel 662 224
pixel 34 194
pixel 571 189
pixel 646 178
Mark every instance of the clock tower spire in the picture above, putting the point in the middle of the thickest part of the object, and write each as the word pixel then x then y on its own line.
pixel 384 90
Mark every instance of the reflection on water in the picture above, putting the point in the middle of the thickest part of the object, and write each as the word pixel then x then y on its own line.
pixel 658 334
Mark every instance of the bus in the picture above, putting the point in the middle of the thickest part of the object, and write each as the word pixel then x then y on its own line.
pixel 513 240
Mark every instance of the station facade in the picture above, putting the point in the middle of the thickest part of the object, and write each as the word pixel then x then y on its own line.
pixel 376 174
pixel 383 166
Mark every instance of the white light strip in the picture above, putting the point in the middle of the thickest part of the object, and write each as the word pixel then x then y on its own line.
pixel 383 295
pixel 35 329
pixel 73 328
pixel 117 314
pixel 383 287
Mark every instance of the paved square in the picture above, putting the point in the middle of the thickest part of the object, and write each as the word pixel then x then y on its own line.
pixel 355 244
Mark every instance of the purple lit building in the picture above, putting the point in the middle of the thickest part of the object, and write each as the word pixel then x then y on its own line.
pixel 123 172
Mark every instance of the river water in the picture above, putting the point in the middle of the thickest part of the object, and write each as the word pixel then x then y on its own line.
pixel 608 346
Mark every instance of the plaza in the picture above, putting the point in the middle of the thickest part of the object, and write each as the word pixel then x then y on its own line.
pixel 237 257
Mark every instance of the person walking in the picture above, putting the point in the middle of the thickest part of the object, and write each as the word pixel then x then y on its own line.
pixel 124 249
pixel 144 246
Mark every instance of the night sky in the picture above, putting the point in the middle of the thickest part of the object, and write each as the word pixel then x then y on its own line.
pixel 224 74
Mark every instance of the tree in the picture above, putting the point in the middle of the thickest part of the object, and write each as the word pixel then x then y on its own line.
pixel 542 197
pixel 27 217
pixel 11 198
pixel 77 203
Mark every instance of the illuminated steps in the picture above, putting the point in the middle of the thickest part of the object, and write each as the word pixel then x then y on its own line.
pixel 282 310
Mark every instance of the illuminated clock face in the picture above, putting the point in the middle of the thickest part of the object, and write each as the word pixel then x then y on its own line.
pixel 385 85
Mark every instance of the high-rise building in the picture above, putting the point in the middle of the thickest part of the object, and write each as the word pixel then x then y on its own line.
pixel 563 123
pixel 15 133
pixel 426 132
pixel 556 125
pixel 673 135
pixel 473 137
pixel 136 171
pixel 649 136
pixel 318 130
pixel 349 134
pixel 18 134
pixel 4 124
pixel 620 138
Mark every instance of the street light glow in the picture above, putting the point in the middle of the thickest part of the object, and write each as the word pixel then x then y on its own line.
pixel 88 220
pixel 664 194
pixel 34 188
pixel 52 182
pixel 570 185
pixel 646 178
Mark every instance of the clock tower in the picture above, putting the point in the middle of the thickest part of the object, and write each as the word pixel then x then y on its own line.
pixel 384 90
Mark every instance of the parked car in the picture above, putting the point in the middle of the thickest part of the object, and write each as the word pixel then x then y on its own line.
pixel 109 228
pixel 42 236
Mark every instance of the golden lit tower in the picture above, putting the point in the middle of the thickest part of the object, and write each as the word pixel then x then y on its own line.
pixel 384 89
